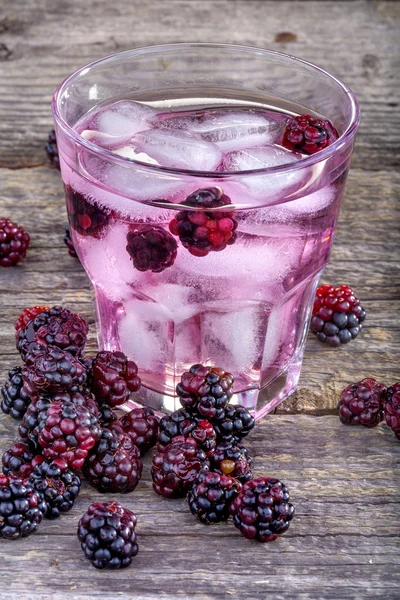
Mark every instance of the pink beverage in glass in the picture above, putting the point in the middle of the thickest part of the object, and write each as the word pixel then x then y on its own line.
pixel 203 226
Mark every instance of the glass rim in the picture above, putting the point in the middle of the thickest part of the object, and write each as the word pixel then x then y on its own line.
pixel 305 162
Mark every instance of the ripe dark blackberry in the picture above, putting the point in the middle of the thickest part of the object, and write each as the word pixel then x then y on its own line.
pixel 233 423
pixel 113 377
pixel 211 496
pixel 362 403
pixel 141 425
pixel 57 486
pixel 21 509
pixel 174 470
pixel 308 135
pixel 114 438
pixel 182 423
pixel 205 390
pixel 262 510
pixel 204 231
pixel 15 400
pixel 107 535
pixel 50 370
pixel 391 407
pixel 84 215
pixel 26 315
pixel 56 327
pixel 67 431
pixel 51 149
pixel 70 244
pixel 151 248
pixel 337 315
pixel 14 242
pixel 233 460
pixel 29 428
pixel 19 461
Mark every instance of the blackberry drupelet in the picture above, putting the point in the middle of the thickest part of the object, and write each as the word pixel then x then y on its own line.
pixel 21 508
pixel 204 231
pixel 233 460
pixel 233 423
pixel 14 242
pixel 205 390
pixel 262 510
pixel 57 486
pixel 211 496
pixel 113 377
pixel 151 248
pixel 26 315
pixel 183 423
pixel 50 370
pixel 362 403
pixel 174 470
pixel 308 135
pixel 391 407
pixel 85 217
pixel 15 400
pixel 337 315
pixel 19 461
pixel 55 327
pixel 70 244
pixel 51 149
pixel 141 425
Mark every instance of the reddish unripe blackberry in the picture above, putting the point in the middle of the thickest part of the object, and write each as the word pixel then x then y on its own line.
pixel 15 400
pixel 26 315
pixel 205 390
pixel 14 242
pixel 308 135
pixel 207 230
pixel 50 370
pixel 54 327
pixel 182 423
pixel 113 377
pixel 174 470
pixel 233 423
pixel 337 315
pixel 70 244
pixel 141 425
pixel 21 508
pixel 67 431
pixel 84 215
pixel 114 470
pixel 57 486
pixel 262 510
pixel 233 460
pixel 151 248
pixel 391 407
pixel 362 403
pixel 211 496
pixel 107 535
pixel 19 461
pixel 51 149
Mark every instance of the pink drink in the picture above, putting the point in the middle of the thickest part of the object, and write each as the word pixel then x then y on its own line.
pixel 236 295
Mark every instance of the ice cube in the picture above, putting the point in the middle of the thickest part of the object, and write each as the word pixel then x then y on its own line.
pixel 174 300
pixel 123 118
pixel 178 149
pixel 130 152
pixel 312 203
pixel 105 140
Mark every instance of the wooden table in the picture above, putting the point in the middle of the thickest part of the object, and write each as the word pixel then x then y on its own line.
pixel 344 482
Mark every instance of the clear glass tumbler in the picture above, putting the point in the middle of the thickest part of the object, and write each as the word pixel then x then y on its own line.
pixel 243 302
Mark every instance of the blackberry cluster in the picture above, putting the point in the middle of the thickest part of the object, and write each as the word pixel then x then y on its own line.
pixel 70 244
pixel 362 403
pixel 15 401
pixel 233 423
pixel 113 377
pixel 50 370
pixel 141 425
pixel 57 486
pixel 151 248
pixel 14 242
pixel 85 217
pixel 308 135
pixel 211 496
pixel 206 390
pixel 182 423
pixel 392 408
pixel 21 509
pixel 51 149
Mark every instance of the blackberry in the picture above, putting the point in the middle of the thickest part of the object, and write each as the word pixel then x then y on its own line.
pixel 15 400
pixel 308 135
pixel 113 377
pixel 233 460
pixel 67 431
pixel 362 403
pixel 233 423
pixel 80 396
pixel 19 461
pixel 85 217
pixel 151 248
pixel 29 427
pixel 207 230
pixel 51 149
pixel 50 370
pixel 107 535
pixel 57 486
pixel 14 242
pixel 141 425
pixel 391 407
pixel 205 390
pixel 56 327
pixel 26 315
pixel 262 510
pixel 337 315
pixel 183 423
pixel 211 496
pixel 174 470
pixel 70 244
pixel 21 509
